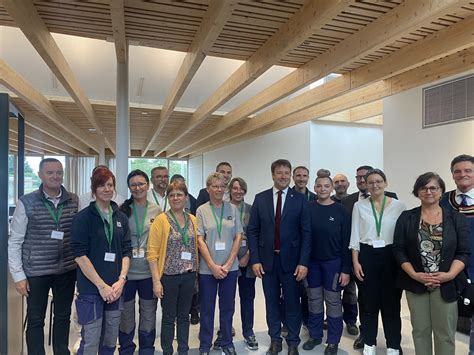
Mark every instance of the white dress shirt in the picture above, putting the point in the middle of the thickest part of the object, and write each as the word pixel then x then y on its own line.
pixel 161 201
pixel 275 198
pixel 469 196
pixel 363 223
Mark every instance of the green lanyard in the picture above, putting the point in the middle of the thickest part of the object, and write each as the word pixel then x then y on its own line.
pixel 378 220
pixel 55 214
pixel 242 214
pixel 219 225
pixel 108 227
pixel 156 200
pixel 183 231
pixel 308 195
pixel 139 226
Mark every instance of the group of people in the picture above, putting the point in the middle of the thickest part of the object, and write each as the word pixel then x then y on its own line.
pixel 313 251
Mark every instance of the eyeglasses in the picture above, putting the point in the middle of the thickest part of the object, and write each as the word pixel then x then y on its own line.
pixel 218 187
pixel 376 182
pixel 138 185
pixel 431 189
pixel 360 177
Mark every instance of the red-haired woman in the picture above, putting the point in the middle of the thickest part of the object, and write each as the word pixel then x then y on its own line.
pixel 101 244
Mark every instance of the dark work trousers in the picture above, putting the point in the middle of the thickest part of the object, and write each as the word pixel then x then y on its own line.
pixel 349 302
pixel 324 288
pixel 304 306
pixel 247 297
pixel 177 296
pixel 195 304
pixel 37 302
pixel 147 319
pixel 275 283
pixel 378 293
pixel 209 287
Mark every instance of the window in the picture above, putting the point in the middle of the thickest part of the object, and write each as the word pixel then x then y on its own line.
pixel 174 166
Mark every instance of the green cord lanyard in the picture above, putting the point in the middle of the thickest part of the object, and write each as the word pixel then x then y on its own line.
pixel 183 231
pixel 219 225
pixel 140 226
pixel 242 215
pixel 108 227
pixel 378 220
pixel 55 214
pixel 156 200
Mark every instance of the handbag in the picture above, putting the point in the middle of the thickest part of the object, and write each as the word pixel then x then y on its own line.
pixel 465 291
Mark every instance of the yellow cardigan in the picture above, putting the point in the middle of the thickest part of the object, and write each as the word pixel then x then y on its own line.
pixel 158 240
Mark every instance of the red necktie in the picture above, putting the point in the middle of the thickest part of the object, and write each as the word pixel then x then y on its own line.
pixel 278 221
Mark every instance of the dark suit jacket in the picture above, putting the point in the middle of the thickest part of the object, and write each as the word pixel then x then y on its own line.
pixel 350 200
pixel 455 246
pixel 295 231
pixel 202 198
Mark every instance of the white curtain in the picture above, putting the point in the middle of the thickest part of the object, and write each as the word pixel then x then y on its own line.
pixel 77 174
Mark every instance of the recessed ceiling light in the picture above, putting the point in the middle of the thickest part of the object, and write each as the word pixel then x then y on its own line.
pixel 91 129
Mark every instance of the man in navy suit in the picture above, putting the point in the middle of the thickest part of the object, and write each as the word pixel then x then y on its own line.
pixel 279 237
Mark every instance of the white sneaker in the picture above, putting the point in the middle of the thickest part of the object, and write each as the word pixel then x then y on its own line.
pixel 391 351
pixel 370 350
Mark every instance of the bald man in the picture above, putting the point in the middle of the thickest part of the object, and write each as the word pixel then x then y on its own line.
pixel 341 184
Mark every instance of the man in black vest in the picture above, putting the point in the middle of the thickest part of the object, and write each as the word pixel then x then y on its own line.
pixel 40 256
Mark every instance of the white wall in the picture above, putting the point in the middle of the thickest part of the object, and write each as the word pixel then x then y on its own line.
pixel 341 148
pixel 410 150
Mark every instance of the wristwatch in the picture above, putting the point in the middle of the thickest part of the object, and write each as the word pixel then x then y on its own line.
pixel 123 277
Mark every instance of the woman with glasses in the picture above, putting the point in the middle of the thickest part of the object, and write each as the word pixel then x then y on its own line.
pixel 173 258
pixel 219 236
pixel 373 224
pixel 140 213
pixel 431 244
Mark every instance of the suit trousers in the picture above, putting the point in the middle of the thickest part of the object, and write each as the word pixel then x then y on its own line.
pixel 275 283
pixel 377 293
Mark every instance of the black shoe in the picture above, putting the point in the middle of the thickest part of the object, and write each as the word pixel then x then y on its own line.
pixel 352 329
pixel 293 350
pixel 284 331
pixel 330 349
pixel 311 343
pixel 274 349
pixel 229 351
pixel 251 342
pixel 217 342
pixel 358 343
pixel 194 318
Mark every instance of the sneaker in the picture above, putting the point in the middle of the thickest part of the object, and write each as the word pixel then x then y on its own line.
pixel 311 343
pixel 229 351
pixel 369 350
pixel 217 342
pixel 352 329
pixel 330 349
pixel 358 343
pixel 284 331
pixel 251 342
pixel 194 318
pixel 391 351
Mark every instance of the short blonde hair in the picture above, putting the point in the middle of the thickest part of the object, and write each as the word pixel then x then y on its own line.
pixel 214 177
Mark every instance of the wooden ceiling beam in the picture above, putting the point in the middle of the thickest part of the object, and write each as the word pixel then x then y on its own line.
pixel 30 23
pixel 312 16
pixel 442 68
pixel 379 33
pixel 20 86
pixel 117 13
pixel 212 24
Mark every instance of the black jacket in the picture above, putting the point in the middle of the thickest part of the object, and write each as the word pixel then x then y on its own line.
pixel 455 246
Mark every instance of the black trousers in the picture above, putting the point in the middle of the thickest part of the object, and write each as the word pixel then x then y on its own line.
pixel 377 293
pixel 37 302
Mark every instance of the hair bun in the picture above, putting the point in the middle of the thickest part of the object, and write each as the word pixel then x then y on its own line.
pixel 323 173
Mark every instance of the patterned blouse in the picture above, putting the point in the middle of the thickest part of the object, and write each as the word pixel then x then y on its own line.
pixel 174 263
pixel 430 242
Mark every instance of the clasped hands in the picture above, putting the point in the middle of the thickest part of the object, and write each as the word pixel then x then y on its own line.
pixel 300 272
pixel 112 293
pixel 432 280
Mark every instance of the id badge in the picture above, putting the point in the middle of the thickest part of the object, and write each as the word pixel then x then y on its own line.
pixel 220 246
pixel 138 253
pixel 57 235
pixel 110 257
pixel 185 255
pixel 378 243
pixel 243 243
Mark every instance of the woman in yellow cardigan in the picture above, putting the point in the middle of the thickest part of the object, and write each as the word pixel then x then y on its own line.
pixel 173 259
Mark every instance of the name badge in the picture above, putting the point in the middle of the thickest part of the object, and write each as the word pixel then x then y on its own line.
pixel 110 257
pixel 138 253
pixel 378 243
pixel 220 246
pixel 185 255
pixel 243 243
pixel 57 235
pixel 119 224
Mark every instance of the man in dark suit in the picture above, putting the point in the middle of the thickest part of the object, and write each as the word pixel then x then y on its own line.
pixel 279 237
pixel 349 296
pixel 225 169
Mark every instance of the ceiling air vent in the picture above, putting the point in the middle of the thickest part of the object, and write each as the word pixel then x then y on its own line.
pixel 449 102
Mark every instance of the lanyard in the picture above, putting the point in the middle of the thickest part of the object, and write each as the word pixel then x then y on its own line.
pixel 183 231
pixel 219 225
pixel 378 220
pixel 140 226
pixel 242 214
pixel 308 195
pixel 156 200
pixel 108 227
pixel 55 214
